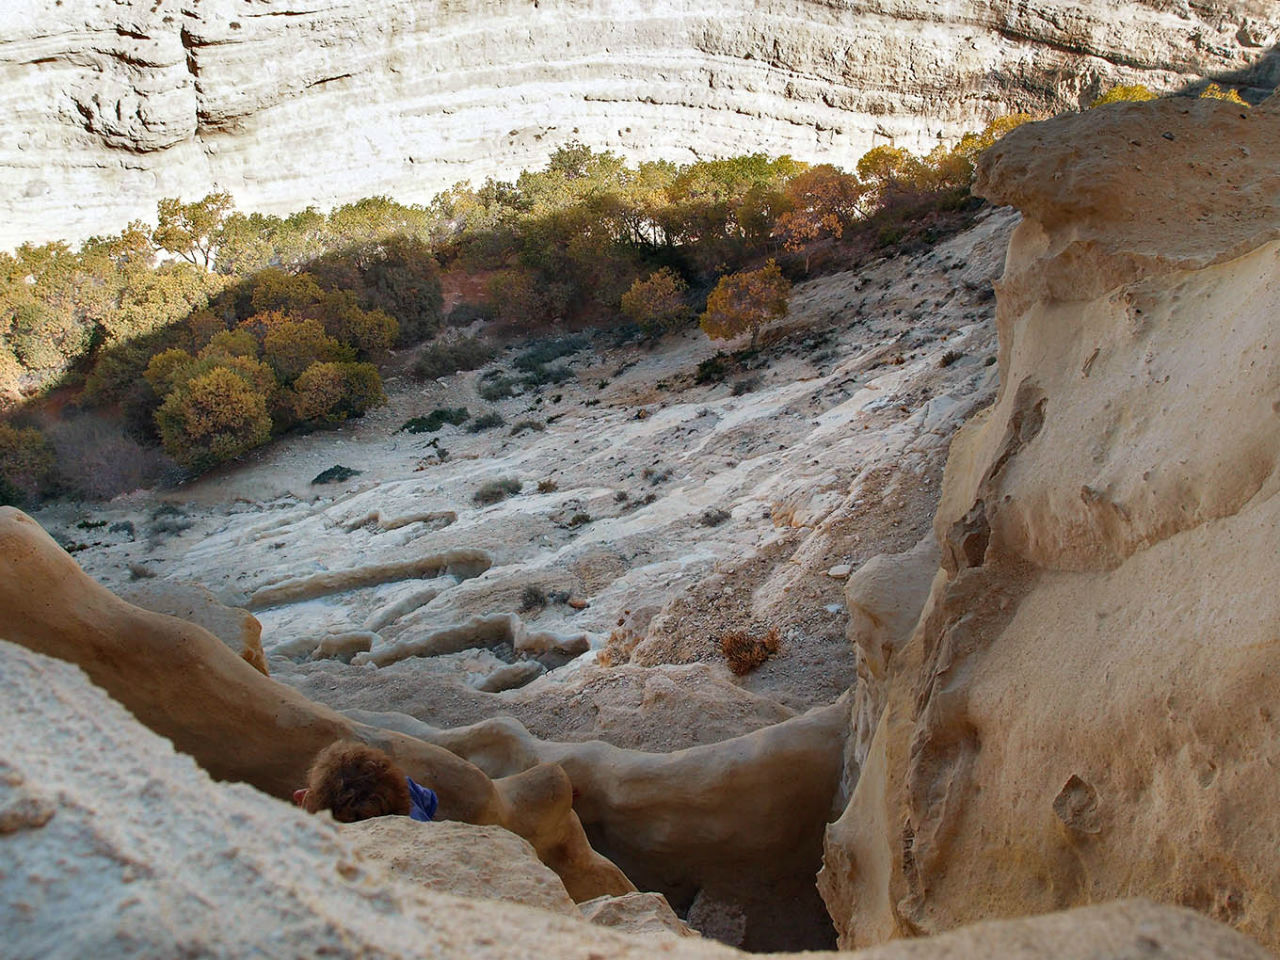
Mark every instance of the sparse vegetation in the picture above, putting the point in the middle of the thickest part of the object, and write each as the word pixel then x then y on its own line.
pixel 442 358
pixel 486 421
pixel 496 388
pixel 436 419
pixel 520 426
pixel 548 486
pixel 744 652
pixel 713 517
pixel 335 474
pixel 532 598
pixel 495 491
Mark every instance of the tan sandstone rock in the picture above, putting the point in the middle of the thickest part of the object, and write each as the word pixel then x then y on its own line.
pixel 185 684
pixel 475 862
pixel 1087 709
pixel 234 626
pixel 114 845
pixel 642 913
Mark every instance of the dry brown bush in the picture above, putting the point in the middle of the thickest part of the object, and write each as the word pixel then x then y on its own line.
pixel 745 652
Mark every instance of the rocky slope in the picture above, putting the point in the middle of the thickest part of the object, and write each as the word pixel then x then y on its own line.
pixel 1087 706
pixel 98 817
pixel 108 105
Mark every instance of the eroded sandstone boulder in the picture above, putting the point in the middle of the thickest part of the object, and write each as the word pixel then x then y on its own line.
pixel 475 862
pixel 185 684
pixel 113 845
pixel 234 626
pixel 1086 708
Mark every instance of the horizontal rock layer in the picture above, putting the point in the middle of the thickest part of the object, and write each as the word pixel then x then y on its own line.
pixel 111 104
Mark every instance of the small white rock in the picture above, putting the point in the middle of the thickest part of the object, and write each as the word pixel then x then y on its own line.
pixel 840 571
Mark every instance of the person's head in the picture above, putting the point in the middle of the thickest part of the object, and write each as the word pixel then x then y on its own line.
pixel 355 782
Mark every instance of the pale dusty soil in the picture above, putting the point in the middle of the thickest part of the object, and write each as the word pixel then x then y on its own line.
pixel 834 457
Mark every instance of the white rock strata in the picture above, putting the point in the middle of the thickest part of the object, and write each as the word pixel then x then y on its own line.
pixel 111 104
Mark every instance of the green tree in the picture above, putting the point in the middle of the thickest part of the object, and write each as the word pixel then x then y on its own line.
pixel 192 231
pixel 746 301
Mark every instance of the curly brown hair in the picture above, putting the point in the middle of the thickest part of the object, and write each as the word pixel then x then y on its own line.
pixel 356 782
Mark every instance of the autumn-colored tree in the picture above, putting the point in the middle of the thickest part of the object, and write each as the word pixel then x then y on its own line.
pixel 168 370
pixel 293 345
pixel 276 289
pixel 230 343
pixel 1124 93
pixel 658 302
pixel 402 279
pixel 824 202
pixel 367 330
pixel 330 392
pixel 746 301
pixel 192 231
pixel 211 418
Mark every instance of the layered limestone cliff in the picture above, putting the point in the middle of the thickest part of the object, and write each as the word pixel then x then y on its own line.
pixel 108 105
pixel 1087 706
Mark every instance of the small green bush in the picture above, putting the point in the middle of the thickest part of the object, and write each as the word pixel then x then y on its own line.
pixel 496 388
pixel 486 421
pixel 335 474
pixel 434 420
pixel 540 354
pixel 495 491
pixel 442 358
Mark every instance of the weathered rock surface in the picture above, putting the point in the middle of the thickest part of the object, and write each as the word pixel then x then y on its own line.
pixel 111 104
pixel 739 822
pixel 475 862
pixel 646 913
pixel 183 683
pixel 1086 708
pixel 113 845
pixel 234 626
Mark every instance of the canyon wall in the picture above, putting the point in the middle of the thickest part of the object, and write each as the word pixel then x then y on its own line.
pixel 1086 708
pixel 108 105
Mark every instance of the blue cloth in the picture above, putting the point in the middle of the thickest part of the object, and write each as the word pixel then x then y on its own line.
pixel 423 802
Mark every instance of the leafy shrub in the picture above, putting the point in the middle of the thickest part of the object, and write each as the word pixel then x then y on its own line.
pixel 548 486
pixel 465 314
pixel 435 420
pixel 486 421
pixel 744 652
pixel 1124 93
pixel 578 520
pixel 495 491
pixel 335 474
pixel 211 418
pixel 948 358
pixel 291 346
pixel 712 370
pixel 544 352
pixel 496 388
pixel 442 358
pixel 402 279
pixel 657 303
pixel 746 301
pixel 541 376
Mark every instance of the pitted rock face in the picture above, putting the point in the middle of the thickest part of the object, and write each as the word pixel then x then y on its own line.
pixel 109 105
